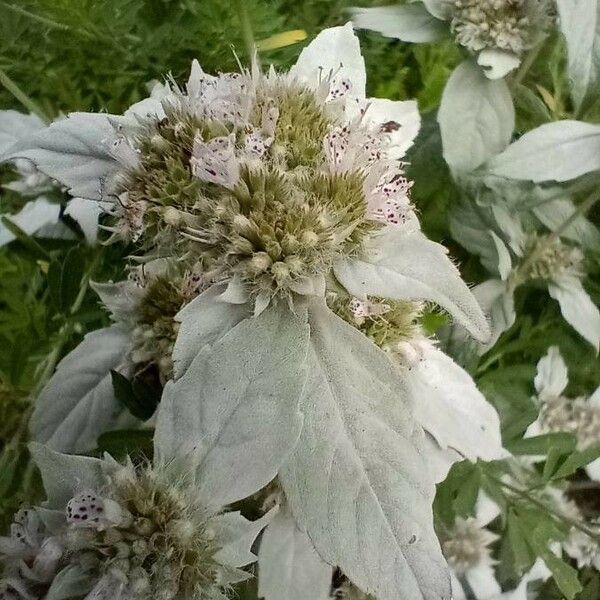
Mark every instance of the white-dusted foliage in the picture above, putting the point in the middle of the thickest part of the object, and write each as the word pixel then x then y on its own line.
pixel 78 403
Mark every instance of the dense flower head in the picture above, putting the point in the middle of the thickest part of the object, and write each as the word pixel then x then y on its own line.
pixel 144 535
pixel 577 416
pixel 389 324
pixel 154 325
pixel 550 259
pixel 467 545
pixel 258 177
pixel 508 25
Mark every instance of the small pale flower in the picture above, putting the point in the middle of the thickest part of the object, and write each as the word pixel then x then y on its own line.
pixel 559 413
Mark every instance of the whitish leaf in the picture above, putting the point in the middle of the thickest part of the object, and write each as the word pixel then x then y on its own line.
pixel 74 151
pixel 476 117
pixel 334 50
pixel 15 125
pixel 438 8
pixel 555 213
pixel 497 302
pixel 236 407
pixel 405 265
pixel 580 24
pixel 78 403
pixel 85 213
pixel 552 376
pixel 449 406
pixel 557 151
pixel 64 474
pixel 409 23
pixel 289 567
pixel 497 63
pixel 32 217
pixel 504 260
pixel 577 308
pixel 357 481
pixel 203 321
pixel 236 536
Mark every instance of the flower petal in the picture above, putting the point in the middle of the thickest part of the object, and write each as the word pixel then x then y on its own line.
pixel 577 308
pixel 405 265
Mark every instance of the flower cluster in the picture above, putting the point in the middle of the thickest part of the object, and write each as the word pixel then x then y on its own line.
pixel 467 545
pixel 550 259
pixel 508 25
pixel 144 534
pixel 258 178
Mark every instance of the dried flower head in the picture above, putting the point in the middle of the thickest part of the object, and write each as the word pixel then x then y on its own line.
pixel 550 259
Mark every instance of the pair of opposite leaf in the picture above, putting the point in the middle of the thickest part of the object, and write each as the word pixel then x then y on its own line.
pixel 268 381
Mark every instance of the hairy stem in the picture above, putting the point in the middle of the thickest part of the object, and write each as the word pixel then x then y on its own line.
pixel 22 97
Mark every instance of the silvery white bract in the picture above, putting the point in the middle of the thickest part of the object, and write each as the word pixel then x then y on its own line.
pixel 78 403
pixel 580 23
pixel 579 416
pixel 294 179
pixel 40 212
pixel 289 567
pixel 558 151
pixel 95 508
pixel 497 32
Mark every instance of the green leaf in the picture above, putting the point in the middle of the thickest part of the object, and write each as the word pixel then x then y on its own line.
pixel 522 554
pixel 64 279
pixel 476 116
pixel 580 24
pixel 467 493
pixel 565 575
pixel 542 444
pixel 136 395
pixel 577 460
pixel 30 244
pixel 123 442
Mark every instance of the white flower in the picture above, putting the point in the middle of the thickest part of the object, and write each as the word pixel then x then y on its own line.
pixel 579 416
pixel 467 549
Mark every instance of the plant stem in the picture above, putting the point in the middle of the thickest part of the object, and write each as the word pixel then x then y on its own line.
pixel 247 31
pixel 34 17
pixel 22 97
pixel 527 496
pixel 527 64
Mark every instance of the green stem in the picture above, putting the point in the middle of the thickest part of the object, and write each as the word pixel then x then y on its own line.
pixel 561 517
pixel 34 17
pixel 22 97
pixel 247 30
pixel 527 64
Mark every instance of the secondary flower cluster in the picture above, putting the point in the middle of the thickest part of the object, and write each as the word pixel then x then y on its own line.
pixel 143 533
pixel 509 25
